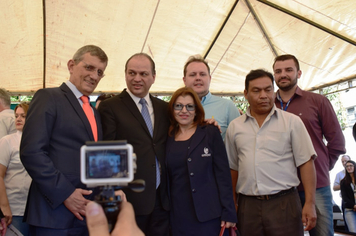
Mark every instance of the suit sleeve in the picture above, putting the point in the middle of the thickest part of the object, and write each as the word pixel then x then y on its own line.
pixel 35 148
pixel 223 177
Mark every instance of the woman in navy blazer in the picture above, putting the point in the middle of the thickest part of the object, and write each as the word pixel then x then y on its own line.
pixel 198 171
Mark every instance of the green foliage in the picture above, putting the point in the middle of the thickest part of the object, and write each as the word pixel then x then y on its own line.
pixel 165 98
pixel 18 99
pixel 335 99
pixel 240 102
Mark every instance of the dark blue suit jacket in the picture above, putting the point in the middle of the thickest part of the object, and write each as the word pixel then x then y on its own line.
pixel 211 185
pixel 55 129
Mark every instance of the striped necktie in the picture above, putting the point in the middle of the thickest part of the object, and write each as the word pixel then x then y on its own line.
pixel 146 116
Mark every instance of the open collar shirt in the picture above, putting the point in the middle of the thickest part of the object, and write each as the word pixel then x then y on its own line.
pixel 320 120
pixel 267 157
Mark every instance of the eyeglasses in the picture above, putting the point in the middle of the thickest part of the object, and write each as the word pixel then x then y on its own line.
pixel 179 107
pixel 349 166
pixel 93 68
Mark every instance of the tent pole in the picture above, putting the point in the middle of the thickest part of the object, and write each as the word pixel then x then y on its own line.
pixel 220 30
pixel 275 6
pixel 44 43
pixel 264 32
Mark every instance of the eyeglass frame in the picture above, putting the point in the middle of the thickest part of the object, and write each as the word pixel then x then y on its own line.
pixel 192 108
pixel 92 68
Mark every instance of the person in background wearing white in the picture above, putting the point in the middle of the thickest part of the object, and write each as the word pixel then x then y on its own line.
pixel 14 179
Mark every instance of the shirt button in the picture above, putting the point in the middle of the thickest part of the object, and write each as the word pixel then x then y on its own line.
pixel 192 174
pixel 193 190
pixel 189 159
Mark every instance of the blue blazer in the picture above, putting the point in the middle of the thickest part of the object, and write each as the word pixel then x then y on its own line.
pixel 55 129
pixel 211 185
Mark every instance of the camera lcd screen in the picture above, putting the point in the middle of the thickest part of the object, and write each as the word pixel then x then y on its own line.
pixel 107 164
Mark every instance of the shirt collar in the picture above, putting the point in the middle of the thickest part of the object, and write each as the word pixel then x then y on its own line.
pixel 298 92
pixel 206 97
pixel 271 113
pixel 137 99
pixel 74 89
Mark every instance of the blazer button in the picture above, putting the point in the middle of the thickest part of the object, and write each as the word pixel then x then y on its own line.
pixel 189 159
pixel 192 174
pixel 193 190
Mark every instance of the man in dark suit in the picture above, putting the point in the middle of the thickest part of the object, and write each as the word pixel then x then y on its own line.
pixel 122 119
pixel 56 127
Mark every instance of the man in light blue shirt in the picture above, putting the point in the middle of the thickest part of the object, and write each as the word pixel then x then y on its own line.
pixel 197 76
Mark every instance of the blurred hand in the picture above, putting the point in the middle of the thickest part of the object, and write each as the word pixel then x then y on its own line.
pixel 227 224
pixel 309 216
pixel 3 227
pixel 76 202
pixel 7 214
pixel 125 224
pixel 121 194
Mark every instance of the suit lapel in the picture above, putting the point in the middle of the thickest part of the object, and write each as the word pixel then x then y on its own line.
pixel 78 109
pixel 197 138
pixel 132 107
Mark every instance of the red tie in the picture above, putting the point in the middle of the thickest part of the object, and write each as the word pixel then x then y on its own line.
pixel 90 115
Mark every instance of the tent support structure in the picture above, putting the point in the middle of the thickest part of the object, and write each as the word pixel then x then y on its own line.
pixel 275 6
pixel 149 30
pixel 263 30
pixel 221 29
pixel 351 83
pixel 44 43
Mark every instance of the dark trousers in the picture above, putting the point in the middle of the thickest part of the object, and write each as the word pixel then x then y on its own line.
pixel 279 216
pixel 40 231
pixel 156 223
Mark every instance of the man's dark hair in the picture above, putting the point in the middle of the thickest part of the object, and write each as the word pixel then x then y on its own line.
pixel 153 66
pixel 255 74
pixel 347 177
pixel 104 96
pixel 287 57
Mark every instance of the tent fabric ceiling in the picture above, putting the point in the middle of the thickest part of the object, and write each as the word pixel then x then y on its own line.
pixel 39 37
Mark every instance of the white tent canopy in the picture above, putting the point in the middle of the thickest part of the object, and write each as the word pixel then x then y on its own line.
pixel 39 37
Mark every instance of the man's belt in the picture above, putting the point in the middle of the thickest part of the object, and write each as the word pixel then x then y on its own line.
pixel 271 196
